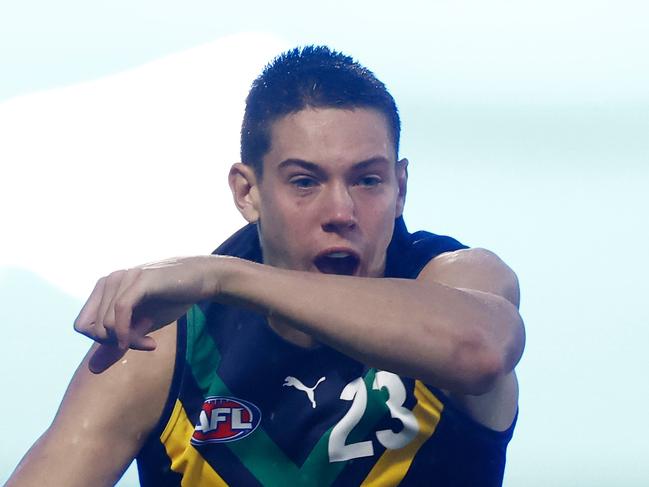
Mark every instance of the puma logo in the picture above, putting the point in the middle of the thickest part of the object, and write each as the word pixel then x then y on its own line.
pixel 309 391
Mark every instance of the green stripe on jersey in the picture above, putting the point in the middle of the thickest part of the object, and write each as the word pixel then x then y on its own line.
pixel 203 358
pixel 202 355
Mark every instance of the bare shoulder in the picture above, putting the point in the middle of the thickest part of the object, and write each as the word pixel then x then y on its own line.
pixel 483 273
pixel 104 417
pixel 478 269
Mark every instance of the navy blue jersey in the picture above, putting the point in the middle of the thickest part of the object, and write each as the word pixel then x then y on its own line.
pixel 249 408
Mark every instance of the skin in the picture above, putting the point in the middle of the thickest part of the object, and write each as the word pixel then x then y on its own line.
pixel 331 176
pixel 331 183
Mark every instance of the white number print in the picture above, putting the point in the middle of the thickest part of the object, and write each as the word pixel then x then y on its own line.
pixel 396 398
pixel 338 451
pixel 355 391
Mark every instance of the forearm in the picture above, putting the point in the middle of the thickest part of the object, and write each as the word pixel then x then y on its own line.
pixel 452 338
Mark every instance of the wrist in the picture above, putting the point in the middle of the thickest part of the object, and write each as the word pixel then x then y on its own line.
pixel 221 270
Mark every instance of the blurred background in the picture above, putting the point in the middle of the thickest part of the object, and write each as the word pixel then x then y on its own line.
pixel 527 129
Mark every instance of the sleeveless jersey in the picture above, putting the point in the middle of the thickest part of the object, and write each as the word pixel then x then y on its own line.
pixel 248 408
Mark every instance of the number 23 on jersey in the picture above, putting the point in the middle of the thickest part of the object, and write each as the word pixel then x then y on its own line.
pixel 356 392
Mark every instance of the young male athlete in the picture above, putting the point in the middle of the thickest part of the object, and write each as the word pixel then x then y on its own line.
pixel 323 344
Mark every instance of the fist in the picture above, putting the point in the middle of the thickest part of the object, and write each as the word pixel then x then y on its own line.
pixel 125 306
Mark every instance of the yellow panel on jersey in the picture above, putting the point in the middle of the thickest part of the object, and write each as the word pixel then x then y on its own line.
pixel 185 459
pixel 394 464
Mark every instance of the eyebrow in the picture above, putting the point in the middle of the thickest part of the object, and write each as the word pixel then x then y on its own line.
pixel 312 166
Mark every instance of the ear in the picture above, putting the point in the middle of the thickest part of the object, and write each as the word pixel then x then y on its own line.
pixel 401 169
pixel 243 184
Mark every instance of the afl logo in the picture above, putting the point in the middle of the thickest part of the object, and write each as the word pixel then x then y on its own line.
pixel 224 419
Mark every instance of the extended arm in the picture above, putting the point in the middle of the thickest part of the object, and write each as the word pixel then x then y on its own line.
pixel 462 335
pixel 456 326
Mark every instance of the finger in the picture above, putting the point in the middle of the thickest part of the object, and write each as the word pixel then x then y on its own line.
pixel 105 356
pixel 86 322
pixel 111 287
pixel 120 310
pixel 125 323
pixel 145 344
pixel 88 313
pixel 141 341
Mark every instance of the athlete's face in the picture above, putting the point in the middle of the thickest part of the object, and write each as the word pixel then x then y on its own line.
pixel 330 192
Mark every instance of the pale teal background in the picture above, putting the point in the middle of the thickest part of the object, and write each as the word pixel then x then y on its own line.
pixel 527 128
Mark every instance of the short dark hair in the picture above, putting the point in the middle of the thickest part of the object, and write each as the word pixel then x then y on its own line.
pixel 312 76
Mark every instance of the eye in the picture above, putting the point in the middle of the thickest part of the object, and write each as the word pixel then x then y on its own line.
pixel 303 182
pixel 370 181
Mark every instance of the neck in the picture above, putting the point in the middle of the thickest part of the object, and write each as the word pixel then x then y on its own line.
pixel 290 334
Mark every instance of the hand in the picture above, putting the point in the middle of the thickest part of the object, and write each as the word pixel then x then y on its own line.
pixel 127 305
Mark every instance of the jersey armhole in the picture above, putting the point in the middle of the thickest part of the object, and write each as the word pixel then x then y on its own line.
pixel 480 430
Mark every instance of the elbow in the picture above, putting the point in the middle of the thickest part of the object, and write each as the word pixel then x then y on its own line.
pixel 485 356
pixel 477 371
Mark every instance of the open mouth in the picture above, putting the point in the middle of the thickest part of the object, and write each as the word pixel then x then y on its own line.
pixel 341 263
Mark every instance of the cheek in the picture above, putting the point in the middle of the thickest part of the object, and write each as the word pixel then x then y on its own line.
pixel 379 228
pixel 292 213
pixel 284 226
pixel 379 215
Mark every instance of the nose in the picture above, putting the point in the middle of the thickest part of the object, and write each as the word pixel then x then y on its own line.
pixel 339 211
